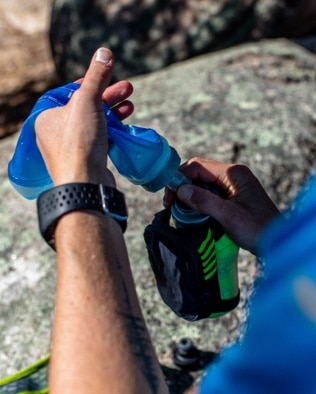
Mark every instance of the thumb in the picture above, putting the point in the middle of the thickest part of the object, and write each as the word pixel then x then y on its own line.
pixel 99 73
pixel 203 201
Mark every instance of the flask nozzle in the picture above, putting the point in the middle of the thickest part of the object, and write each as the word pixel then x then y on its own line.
pixel 177 180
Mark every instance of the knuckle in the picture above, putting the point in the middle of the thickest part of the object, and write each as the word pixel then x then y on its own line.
pixel 240 169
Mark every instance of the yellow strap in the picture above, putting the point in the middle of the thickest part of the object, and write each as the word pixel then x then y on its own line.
pixel 26 372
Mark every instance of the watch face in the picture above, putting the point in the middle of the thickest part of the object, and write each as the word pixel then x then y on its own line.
pixel 114 203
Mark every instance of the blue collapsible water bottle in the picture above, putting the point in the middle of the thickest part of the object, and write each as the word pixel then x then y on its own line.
pixel 140 154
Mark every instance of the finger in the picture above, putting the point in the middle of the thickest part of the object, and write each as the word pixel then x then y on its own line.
pixel 117 92
pixel 99 73
pixel 168 197
pixel 204 201
pixel 202 169
pixel 124 109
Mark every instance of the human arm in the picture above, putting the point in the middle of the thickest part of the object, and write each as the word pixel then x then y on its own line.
pixel 281 320
pixel 100 342
pixel 243 211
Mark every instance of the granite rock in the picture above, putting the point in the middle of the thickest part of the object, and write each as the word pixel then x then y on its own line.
pixel 148 35
pixel 26 65
pixel 144 35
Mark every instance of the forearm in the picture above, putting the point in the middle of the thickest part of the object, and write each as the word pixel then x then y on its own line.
pixel 100 342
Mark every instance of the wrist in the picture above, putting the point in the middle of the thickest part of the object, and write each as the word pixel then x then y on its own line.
pixel 64 199
pixel 104 177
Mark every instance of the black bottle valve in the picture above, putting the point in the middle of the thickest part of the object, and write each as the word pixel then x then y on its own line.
pixel 188 357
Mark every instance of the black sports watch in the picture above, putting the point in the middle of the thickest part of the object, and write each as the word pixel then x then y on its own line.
pixel 56 202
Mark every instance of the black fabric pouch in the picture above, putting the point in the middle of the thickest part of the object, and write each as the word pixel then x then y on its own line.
pixel 177 263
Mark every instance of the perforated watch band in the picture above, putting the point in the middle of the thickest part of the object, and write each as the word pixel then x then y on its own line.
pixel 56 202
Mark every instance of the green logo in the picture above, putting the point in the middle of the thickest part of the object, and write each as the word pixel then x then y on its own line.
pixel 208 256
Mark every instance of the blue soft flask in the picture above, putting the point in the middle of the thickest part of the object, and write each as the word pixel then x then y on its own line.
pixel 140 154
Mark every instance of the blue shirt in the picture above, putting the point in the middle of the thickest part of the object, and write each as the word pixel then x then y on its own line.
pixel 278 351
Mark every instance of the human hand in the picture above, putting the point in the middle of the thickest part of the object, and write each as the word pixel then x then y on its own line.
pixel 246 207
pixel 73 139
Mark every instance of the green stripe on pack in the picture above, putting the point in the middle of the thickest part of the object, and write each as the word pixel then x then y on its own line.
pixel 207 252
pixel 207 277
pixel 206 269
pixel 211 257
pixel 205 242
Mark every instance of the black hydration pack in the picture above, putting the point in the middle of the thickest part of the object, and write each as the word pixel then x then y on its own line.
pixel 195 267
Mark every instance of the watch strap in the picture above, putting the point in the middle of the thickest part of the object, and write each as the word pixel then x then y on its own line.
pixel 60 200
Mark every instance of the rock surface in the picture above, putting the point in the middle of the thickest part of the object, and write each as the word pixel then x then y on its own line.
pixel 254 104
pixel 26 65
pixel 35 35
pixel 144 36
pixel 150 34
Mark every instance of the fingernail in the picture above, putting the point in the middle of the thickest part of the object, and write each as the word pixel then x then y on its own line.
pixel 185 192
pixel 103 56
